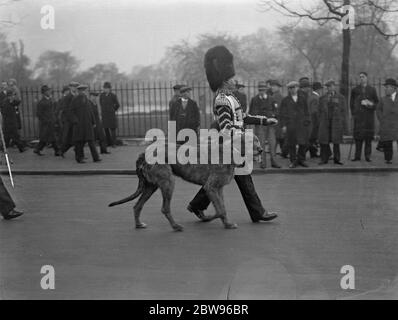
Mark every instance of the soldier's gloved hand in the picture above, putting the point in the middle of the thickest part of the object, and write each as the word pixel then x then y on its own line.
pixel 271 122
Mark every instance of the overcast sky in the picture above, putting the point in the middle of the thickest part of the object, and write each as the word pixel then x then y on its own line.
pixel 129 32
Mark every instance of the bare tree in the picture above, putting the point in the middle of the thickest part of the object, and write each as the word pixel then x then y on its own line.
pixel 377 14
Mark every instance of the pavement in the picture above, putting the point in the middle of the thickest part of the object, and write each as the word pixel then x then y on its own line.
pixel 122 161
pixel 326 221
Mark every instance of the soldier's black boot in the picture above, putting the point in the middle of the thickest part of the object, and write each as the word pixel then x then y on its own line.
pixel 12 214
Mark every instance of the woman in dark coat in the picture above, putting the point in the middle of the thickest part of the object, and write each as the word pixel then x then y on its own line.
pixel 109 105
pixel 332 116
pixel 84 123
pixel 45 114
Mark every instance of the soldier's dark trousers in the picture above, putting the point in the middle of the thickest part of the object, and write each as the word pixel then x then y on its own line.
pixel 6 202
pixel 297 155
pixel 110 136
pixel 326 152
pixel 248 192
pixel 358 148
pixel 388 149
pixel 79 150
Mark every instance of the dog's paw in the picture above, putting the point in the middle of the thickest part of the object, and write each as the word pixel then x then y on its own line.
pixel 178 227
pixel 140 225
pixel 230 225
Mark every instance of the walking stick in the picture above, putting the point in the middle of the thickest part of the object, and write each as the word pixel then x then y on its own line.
pixel 6 154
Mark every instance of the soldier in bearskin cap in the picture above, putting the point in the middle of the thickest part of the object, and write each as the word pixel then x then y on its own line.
pixel 229 114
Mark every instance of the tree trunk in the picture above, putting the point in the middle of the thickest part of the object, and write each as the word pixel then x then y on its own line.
pixel 345 63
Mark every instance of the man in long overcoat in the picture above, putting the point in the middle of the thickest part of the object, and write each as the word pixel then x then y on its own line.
pixel 363 104
pixel 186 111
pixel 332 117
pixel 109 105
pixel 99 134
pixel 387 113
pixel 295 122
pixel 67 117
pixel 45 114
pixel 10 120
pixel 84 122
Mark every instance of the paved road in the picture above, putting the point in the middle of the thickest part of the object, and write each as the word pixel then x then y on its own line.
pixel 326 221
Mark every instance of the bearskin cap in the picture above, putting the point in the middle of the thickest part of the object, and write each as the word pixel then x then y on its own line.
pixel 219 66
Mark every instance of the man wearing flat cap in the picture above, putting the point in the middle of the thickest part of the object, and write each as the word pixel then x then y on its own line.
pixel 84 123
pixel 174 98
pixel 295 121
pixel 186 111
pixel 45 114
pixel 109 105
pixel 230 119
pixel 263 104
pixel 363 104
pixel 387 113
pixel 332 117
pixel 67 116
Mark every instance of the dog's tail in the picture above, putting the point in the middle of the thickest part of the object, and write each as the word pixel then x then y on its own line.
pixel 141 182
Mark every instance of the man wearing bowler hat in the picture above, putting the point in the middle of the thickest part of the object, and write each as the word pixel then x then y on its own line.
pixel 387 113
pixel 45 114
pixel 109 105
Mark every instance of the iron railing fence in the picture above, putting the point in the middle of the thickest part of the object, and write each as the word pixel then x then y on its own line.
pixel 144 105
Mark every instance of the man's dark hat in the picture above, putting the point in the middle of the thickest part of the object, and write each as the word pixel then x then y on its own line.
pixel 64 89
pixel 178 86
pixel 82 87
pixel 185 89
pixel 390 82
pixel 316 86
pixel 239 85
pixel 330 82
pixel 107 84
pixel 262 85
pixel 275 83
pixel 219 66
pixel 44 88
pixel 74 84
pixel 304 82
